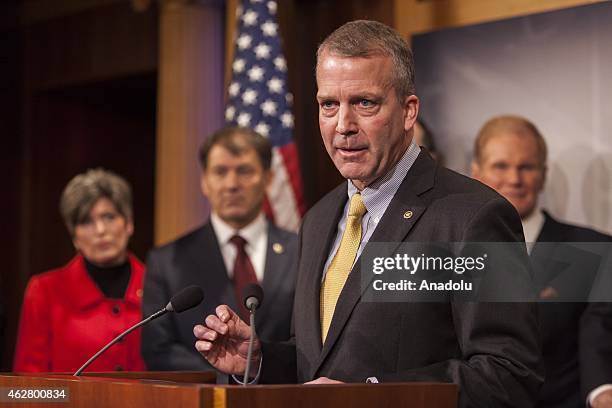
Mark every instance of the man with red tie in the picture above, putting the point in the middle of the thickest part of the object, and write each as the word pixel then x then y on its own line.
pixel 237 246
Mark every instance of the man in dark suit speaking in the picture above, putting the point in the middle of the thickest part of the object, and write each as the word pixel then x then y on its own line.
pixel 510 155
pixel 237 246
pixel 394 193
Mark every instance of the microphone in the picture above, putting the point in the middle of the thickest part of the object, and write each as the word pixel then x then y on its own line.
pixel 252 295
pixel 188 298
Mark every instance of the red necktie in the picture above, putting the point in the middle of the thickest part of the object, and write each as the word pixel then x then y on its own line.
pixel 244 273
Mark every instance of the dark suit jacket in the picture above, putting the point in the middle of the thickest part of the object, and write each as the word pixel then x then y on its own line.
pixel 195 259
pixel 491 350
pixel 577 336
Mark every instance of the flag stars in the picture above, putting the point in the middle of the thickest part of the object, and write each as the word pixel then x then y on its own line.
pixel 244 119
pixel 244 41
pixel 287 120
pixel 272 7
pixel 263 129
pixel 249 18
pixel 229 113
pixel 238 65
pixel 269 107
pixel 269 28
pixel 256 74
pixel 280 64
pixel 234 88
pixel 262 51
pixel 275 85
pixel 249 97
pixel 289 98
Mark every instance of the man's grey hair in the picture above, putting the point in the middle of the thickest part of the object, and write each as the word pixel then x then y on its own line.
pixel 84 190
pixel 365 38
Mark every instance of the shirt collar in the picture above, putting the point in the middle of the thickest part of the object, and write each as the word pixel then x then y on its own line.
pixel 532 225
pixel 378 195
pixel 250 233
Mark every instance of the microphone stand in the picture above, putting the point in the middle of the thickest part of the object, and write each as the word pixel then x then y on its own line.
pixel 245 379
pixel 118 338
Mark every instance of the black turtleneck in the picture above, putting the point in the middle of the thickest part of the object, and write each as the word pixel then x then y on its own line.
pixel 113 280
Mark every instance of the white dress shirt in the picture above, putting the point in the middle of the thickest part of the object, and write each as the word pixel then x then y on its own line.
pixel 256 236
pixel 532 226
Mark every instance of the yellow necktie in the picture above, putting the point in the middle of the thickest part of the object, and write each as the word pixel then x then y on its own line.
pixel 342 263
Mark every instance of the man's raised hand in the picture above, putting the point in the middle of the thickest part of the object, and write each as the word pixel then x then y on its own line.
pixel 224 342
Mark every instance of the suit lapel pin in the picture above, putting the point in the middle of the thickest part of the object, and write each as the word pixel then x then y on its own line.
pixel 278 248
pixel 408 214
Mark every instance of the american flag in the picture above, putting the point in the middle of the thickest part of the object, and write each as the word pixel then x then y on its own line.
pixel 259 98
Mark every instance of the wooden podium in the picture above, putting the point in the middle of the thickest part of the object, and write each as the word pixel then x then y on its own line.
pixel 197 390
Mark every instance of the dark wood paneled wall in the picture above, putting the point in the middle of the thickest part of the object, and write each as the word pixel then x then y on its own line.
pixel 11 150
pixel 78 92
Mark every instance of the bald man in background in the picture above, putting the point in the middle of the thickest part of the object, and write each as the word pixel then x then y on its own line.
pixel 510 156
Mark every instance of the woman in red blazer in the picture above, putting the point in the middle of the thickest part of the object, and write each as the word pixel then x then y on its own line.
pixel 70 313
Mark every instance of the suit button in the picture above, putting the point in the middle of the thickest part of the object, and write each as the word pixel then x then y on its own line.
pixel 116 309
pixel 118 368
